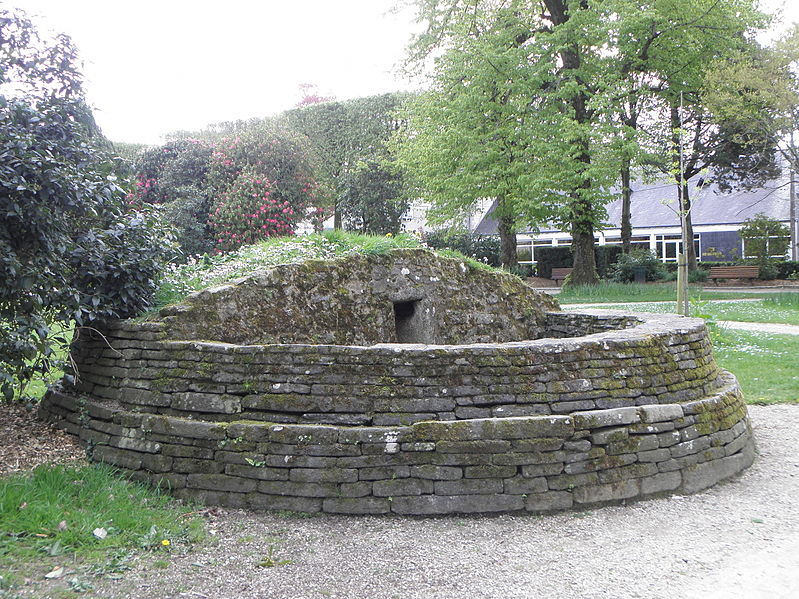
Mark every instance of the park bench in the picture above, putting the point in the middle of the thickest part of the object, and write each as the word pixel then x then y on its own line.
pixel 560 274
pixel 733 272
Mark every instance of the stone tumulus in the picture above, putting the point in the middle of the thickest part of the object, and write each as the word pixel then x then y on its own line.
pixel 404 383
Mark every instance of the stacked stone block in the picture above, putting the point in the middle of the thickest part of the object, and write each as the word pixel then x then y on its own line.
pixel 532 463
pixel 661 359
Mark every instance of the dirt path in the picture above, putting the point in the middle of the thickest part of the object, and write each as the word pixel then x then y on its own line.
pixel 738 539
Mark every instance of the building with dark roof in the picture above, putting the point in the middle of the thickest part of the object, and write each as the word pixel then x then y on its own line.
pixel 717 217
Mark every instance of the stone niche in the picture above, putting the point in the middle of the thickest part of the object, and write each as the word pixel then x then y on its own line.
pixel 404 383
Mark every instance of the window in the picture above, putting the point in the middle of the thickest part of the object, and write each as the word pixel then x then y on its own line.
pixel 668 246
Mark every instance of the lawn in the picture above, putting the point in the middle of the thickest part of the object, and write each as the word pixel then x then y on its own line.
pixel 767 366
pixel 633 292
pixel 770 310
pixel 88 522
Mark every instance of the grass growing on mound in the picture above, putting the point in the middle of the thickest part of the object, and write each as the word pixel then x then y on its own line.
pixel 208 271
pixel 85 517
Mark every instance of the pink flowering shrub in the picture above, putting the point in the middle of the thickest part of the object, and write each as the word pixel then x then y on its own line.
pixel 251 210
pixel 229 192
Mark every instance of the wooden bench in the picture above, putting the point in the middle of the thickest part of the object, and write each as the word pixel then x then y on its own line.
pixel 733 272
pixel 560 274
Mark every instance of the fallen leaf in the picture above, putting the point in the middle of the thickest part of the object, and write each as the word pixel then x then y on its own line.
pixel 23 505
pixel 57 573
pixel 100 533
pixel 62 525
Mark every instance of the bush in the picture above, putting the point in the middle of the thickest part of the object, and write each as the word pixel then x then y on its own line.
pixel 370 199
pixel 606 257
pixel 189 214
pixel 68 250
pixel 696 276
pixel 271 153
pixel 787 269
pixel 175 175
pixel 624 269
pixel 249 212
pixel 521 270
pixel 483 248
pixel 768 271
pixel 117 268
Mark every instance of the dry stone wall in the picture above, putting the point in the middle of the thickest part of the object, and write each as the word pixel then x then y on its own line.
pixel 402 296
pixel 532 463
pixel 651 362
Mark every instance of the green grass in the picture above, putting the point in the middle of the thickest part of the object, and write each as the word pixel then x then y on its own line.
pixel 47 519
pixel 783 300
pixel 634 292
pixel 767 366
pixel 209 271
pixel 751 311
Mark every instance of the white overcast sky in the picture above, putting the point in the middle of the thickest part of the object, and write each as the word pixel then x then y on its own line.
pixel 153 67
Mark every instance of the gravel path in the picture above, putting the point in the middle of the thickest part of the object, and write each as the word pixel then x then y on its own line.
pixel 763 327
pixel 739 539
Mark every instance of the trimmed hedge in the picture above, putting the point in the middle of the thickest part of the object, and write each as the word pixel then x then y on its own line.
pixel 562 257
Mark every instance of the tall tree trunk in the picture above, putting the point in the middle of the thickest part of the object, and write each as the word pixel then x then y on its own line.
pixel 336 217
pixel 626 201
pixel 690 251
pixel 582 223
pixel 506 226
pixel 584 266
pixel 683 197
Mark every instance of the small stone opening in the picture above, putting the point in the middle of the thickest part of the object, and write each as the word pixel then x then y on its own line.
pixel 407 321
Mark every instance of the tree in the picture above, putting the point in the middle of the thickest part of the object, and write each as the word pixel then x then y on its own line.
pixel 758 90
pixel 371 199
pixel 569 74
pixel 511 117
pixel 693 139
pixel 69 249
pixel 341 136
pixel 465 139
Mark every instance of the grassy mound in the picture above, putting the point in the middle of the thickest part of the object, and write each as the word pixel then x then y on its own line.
pixel 209 271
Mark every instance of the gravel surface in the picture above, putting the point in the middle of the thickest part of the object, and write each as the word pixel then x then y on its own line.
pixel 739 539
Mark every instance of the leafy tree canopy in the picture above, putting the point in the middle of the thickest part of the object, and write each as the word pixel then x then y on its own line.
pixel 69 249
pixel 343 136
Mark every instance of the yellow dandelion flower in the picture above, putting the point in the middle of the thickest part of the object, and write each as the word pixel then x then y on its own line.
pixel 165 542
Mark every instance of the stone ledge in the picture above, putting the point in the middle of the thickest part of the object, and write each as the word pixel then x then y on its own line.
pixel 535 463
